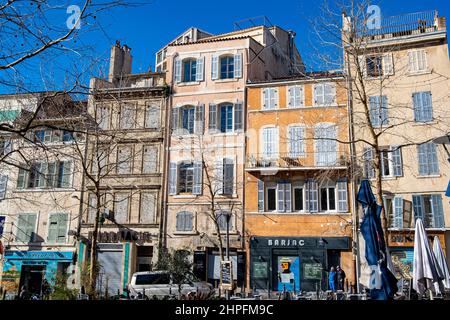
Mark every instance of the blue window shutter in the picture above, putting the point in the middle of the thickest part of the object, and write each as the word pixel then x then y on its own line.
pixel 417 103
pixel 173 178
pixel 287 197
pixel 384 111
pixel 212 125
pixel 218 178
pixel 398 212
pixel 238 65
pixel 177 70
pixel 260 195
pixel 175 119
pixel 7 148
pixel 313 196
pixel 374 111
pixel 199 118
pixel 433 163
pixel 307 187
pixel 422 156
pixel 214 67
pixel 342 195
pixel 3 185
pixel 438 211
pixel 369 169
pixel 280 191
pixel 238 116
pixel 427 106
pixel 200 71
pixel 180 218
pixel 397 161
pixel 198 178
pixel 418 206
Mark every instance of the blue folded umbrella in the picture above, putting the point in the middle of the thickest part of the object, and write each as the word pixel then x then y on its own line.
pixel 372 232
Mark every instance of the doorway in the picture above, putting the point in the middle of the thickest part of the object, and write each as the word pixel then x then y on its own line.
pixel 31 277
pixel 288 273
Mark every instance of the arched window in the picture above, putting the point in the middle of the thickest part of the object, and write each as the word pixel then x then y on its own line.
pixel 184 221
pixel 189 70
pixel 227 67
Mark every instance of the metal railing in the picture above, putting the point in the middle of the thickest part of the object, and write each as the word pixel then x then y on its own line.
pixel 402 25
pixel 300 160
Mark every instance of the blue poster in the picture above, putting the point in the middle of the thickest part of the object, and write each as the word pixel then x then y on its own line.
pixel 2 224
pixel 288 273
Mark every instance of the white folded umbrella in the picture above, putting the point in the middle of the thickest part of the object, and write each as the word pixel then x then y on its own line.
pixel 426 270
pixel 442 263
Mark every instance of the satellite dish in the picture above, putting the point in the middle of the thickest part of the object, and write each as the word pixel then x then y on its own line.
pixel 442 140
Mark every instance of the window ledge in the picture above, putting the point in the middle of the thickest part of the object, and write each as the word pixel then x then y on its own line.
pixel 389 178
pixel 185 233
pixel 333 105
pixel 45 190
pixel 303 213
pixel 424 123
pixel 418 73
pixel 225 134
pixel 185 84
pixel 184 196
pixel 429 176
pixel 226 80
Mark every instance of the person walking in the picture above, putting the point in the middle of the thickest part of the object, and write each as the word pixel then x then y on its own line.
pixel 340 275
pixel 332 280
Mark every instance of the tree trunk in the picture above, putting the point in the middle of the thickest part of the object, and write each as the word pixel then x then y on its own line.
pixel 93 257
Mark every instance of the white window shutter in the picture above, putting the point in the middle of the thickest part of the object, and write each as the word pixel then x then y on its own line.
pixel 411 61
pixel 200 69
pixel 238 65
pixel 218 185
pixel 388 64
pixel 362 66
pixel 214 67
pixel 3 185
pixel 177 70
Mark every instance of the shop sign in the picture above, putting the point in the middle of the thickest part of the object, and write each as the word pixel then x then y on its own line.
pixel 285 242
pixel 124 235
pixel 38 255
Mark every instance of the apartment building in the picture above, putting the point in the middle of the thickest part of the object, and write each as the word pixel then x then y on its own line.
pixel 207 139
pixel 40 188
pixel 298 220
pixel 405 70
pixel 124 180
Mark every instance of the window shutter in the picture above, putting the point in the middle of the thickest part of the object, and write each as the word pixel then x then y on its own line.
pixel 52 235
pixel 199 118
pixel 417 102
pixel 22 178
pixel 280 190
pixel 438 211
pixel 212 126
pixel 421 60
pixel 7 148
pixel 62 227
pixel 412 67
pixel 397 161
pixel 433 159
pixel 219 176
pixel 287 197
pixel 173 178
pixel 374 111
pixel 228 176
pixel 313 196
pixel 362 66
pixel 51 175
pixel 260 195
pixel 200 71
pixel 3 185
pixel 31 226
pixel 266 98
pixel 342 195
pixel 384 110
pixel 398 212
pixel 175 119
pixel 177 73
pixel 214 67
pixel 198 178
pixel 149 159
pixel 368 165
pixel 238 65
pixel 147 207
pixel 423 159
pixel 180 218
pixel 307 188
pixel 427 106
pixel 388 64
pixel 238 116
pixel 67 169
pixel 418 206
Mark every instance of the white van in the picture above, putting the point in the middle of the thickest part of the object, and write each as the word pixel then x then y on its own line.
pixel 159 284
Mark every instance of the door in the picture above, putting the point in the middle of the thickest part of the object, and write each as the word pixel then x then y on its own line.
pixel 31 277
pixel 110 275
pixel 288 273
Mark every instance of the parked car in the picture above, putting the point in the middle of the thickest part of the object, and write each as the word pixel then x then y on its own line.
pixel 159 284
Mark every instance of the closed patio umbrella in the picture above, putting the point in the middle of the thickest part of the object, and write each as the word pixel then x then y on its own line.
pixel 426 271
pixel 442 263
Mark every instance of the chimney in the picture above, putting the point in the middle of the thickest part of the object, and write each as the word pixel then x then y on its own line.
pixel 120 61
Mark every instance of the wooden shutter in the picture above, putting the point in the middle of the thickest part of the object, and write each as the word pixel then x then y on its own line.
pixel 287 196
pixel 238 116
pixel 418 206
pixel 22 178
pixel 218 183
pixel 362 66
pixel 369 169
pixel 433 162
pixel 388 64
pixel 342 195
pixel 291 96
pixel 280 191
pixel 200 71
pixel 417 104
pixel 398 212
pixel 313 196
pixel 3 185
pixel 177 70
pixel 173 171
pixel 147 208
pixel 175 119
pixel 214 67
pixel 26 227
pixel 63 219
pixel 427 106
pixel 228 176
pixel 66 173
pixel 260 195
pixel 422 155
pixel 238 65
pixel 384 111
pixel 438 211
pixel 397 161
pixel 199 118
pixel 149 159
pixel 52 234
pixel 198 178
pixel 411 60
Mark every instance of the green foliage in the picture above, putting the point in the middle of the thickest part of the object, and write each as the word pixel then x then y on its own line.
pixel 60 291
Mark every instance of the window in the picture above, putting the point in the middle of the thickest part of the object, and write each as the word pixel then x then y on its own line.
pixel 227 67
pixel 328 197
pixel 188 118
pixel 394 211
pixel 270 98
pixel 378 110
pixel 374 66
pixel 428 207
pixel 295 97
pixel 226 118
pixel 324 94
pixel 428 161
pixel 391 162
pixel 184 221
pixel 423 109
pixel 124 160
pixel 271 198
pixel 3 185
pixel 190 70
pixel 224 178
pixel 284 197
pixel 148 206
pixel 369 169
pixel 127 116
pixel 297 145
pixel 26 227
pixel 378 65
pixel 222 220
pixel 270 142
pixel 45 175
pixel 325 144
pixel 186 178
pixel 103 117
pixel 149 159
pixel 57 228
pixel 298 198
pixel 152 117
pixel 121 201
pixel 417 61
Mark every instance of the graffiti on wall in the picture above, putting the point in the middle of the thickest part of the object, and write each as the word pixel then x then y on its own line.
pixel 403 263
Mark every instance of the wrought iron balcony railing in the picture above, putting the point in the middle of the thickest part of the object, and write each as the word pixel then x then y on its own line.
pixel 306 160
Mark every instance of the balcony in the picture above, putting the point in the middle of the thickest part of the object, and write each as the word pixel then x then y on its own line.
pixel 304 161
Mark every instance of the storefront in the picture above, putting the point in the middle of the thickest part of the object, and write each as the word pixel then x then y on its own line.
pixel 30 268
pixel 294 263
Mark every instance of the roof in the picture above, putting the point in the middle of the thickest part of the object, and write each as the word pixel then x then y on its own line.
pixel 207 40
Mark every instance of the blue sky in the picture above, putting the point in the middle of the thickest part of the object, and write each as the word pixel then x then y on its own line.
pixel 146 29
